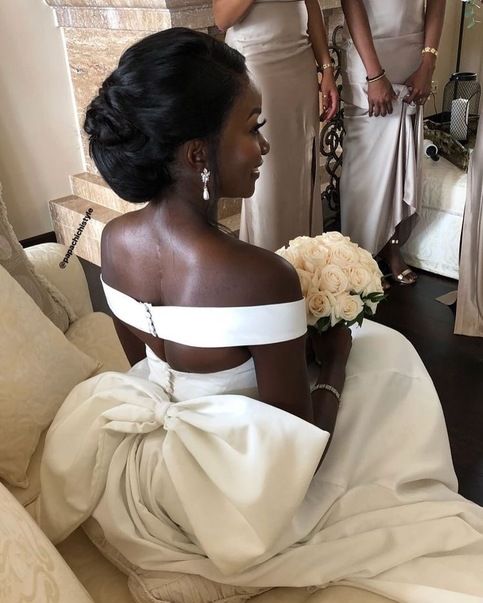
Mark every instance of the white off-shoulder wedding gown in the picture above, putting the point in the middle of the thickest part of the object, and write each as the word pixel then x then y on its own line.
pixel 192 473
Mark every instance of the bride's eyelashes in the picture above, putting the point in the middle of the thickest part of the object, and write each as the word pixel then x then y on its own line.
pixel 257 126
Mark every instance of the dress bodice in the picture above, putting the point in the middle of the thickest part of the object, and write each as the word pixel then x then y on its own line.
pixel 393 18
pixel 207 328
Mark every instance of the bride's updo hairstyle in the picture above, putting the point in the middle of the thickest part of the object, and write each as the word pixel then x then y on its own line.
pixel 171 87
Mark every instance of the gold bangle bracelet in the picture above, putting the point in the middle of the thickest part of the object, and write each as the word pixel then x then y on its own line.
pixel 327 66
pixel 429 50
pixel 376 79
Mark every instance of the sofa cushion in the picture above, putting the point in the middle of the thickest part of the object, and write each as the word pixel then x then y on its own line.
pixel 95 335
pixel 163 587
pixel 31 569
pixel 14 259
pixel 39 367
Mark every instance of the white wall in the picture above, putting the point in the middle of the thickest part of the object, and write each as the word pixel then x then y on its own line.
pixel 39 144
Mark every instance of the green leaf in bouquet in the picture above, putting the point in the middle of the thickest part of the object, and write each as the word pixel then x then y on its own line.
pixel 368 312
pixel 374 297
pixel 323 324
pixel 357 320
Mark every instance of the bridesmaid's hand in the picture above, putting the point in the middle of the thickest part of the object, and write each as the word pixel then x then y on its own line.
pixel 419 84
pixel 330 95
pixel 381 96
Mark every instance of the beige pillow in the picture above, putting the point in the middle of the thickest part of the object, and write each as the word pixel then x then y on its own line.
pixel 14 259
pixel 38 368
pixel 31 569
pixel 164 587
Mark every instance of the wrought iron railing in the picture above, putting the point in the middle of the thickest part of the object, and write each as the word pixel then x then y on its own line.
pixel 331 144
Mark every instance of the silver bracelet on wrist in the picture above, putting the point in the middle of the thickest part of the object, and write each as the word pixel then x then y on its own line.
pixel 329 388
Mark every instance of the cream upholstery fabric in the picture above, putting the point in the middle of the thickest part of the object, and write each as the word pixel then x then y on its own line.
pixel 39 368
pixel 30 567
pixel 15 261
pixel 70 281
pixel 104 582
pixel 95 335
pixel 434 244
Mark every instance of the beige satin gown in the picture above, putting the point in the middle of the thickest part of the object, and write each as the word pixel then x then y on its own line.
pixel 274 39
pixel 381 173
pixel 469 312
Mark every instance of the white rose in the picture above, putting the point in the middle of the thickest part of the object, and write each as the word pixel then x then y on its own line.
pixel 374 285
pixel 319 305
pixel 316 256
pixel 348 307
pixel 364 255
pixel 305 281
pixel 292 256
pixel 359 278
pixel 344 254
pixel 328 237
pixel 332 279
pixel 298 241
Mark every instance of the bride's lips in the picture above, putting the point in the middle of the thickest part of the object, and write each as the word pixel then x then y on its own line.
pixel 256 172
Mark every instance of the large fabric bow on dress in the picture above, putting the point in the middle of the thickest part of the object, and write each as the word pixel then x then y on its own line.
pixel 180 468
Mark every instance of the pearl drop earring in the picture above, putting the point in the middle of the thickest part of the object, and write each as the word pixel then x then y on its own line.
pixel 205 178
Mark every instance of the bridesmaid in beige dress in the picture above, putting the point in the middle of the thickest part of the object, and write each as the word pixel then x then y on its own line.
pixel 283 41
pixel 390 59
pixel 469 309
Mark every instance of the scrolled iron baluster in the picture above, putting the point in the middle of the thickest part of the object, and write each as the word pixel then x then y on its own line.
pixel 331 143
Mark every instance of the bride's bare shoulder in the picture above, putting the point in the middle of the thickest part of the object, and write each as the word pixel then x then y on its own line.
pixel 260 277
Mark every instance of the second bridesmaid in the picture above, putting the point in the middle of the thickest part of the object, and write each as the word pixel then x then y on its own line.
pixel 283 42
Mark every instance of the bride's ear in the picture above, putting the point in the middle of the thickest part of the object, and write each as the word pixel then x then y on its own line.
pixel 196 155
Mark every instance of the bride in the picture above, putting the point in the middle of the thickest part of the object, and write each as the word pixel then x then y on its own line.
pixel 213 437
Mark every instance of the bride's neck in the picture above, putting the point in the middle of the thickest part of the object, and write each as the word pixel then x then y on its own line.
pixel 183 208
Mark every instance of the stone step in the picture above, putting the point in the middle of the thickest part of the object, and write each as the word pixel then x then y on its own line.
pixel 92 187
pixel 232 222
pixel 67 216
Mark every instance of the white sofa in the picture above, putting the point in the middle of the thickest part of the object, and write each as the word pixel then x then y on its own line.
pixel 31 568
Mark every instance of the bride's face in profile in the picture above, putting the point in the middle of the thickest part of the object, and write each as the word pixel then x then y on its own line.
pixel 242 146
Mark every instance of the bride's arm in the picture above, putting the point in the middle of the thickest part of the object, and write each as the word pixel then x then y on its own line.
pixel 230 12
pixel 281 368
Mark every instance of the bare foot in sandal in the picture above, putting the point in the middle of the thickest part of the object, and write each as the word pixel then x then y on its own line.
pixel 399 271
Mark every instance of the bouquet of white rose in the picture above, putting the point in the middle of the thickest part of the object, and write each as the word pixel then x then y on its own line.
pixel 341 282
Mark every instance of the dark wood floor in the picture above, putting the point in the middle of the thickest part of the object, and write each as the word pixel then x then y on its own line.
pixel 454 362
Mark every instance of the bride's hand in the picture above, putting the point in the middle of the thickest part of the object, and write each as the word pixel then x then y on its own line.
pixel 333 346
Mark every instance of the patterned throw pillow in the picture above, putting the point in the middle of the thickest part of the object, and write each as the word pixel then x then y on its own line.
pixel 31 569
pixel 14 259
pixel 39 367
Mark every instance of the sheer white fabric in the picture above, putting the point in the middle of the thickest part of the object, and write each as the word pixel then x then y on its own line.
pixel 192 473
